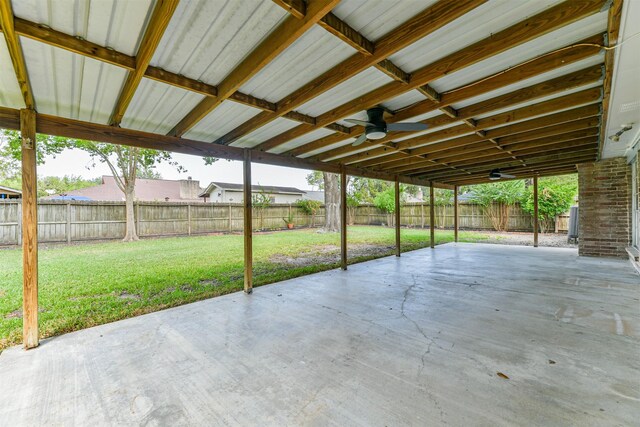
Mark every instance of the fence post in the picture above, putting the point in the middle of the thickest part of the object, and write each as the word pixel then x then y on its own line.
pixel 230 219
pixel 189 219
pixel 422 215
pixel 138 218
pixel 68 230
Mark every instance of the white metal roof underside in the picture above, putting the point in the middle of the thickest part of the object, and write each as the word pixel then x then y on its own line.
pixel 206 40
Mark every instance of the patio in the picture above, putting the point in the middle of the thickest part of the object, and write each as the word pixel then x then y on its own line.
pixel 419 340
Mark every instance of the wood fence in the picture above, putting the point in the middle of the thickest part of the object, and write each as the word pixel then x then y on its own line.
pixel 73 221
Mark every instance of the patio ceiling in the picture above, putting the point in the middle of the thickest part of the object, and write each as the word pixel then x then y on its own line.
pixel 521 86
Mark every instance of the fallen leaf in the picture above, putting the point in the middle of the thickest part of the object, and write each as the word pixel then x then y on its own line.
pixel 552 362
pixel 501 375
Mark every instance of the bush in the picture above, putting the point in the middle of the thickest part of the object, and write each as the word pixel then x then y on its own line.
pixel 309 207
pixel 496 198
pixel 555 197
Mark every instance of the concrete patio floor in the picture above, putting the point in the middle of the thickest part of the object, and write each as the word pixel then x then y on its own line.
pixel 418 340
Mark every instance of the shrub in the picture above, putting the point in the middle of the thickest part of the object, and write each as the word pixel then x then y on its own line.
pixel 555 197
pixel 309 207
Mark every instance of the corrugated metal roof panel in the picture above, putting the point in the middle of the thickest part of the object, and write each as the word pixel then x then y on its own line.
pixel 404 100
pixel 475 25
pixel 157 107
pixel 375 18
pixel 223 119
pixel 69 85
pixel 539 100
pixel 328 148
pixel 10 94
pixel 358 85
pixel 308 57
pixel 554 40
pixel 112 23
pixel 207 39
pixel 428 131
pixel 576 66
pixel 311 136
pixel 274 128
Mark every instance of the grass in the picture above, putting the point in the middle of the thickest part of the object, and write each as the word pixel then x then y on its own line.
pixel 90 284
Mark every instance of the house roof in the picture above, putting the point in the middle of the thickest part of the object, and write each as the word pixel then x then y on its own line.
pixel 10 190
pixel 146 190
pixel 271 189
pixel 521 86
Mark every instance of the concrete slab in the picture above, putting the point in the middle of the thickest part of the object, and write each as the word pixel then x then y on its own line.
pixel 427 339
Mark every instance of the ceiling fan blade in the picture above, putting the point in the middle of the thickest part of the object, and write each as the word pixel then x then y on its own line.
pixel 506 175
pixel 406 127
pixel 362 138
pixel 359 122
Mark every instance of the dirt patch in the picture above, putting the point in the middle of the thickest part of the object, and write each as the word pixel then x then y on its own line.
pixel 329 254
pixel 210 282
pixel 127 295
pixel 186 288
pixel 526 239
pixel 14 314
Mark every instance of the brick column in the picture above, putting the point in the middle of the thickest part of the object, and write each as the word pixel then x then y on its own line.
pixel 605 208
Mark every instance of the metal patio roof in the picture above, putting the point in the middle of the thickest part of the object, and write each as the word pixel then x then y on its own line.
pixel 521 86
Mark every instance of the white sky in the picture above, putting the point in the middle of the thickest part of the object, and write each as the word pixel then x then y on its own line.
pixel 77 162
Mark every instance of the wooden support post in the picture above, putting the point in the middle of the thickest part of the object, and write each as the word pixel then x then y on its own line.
pixel 29 229
pixel 397 217
pixel 248 225
pixel 535 212
pixel 456 225
pixel 230 218
pixel 343 219
pixel 432 217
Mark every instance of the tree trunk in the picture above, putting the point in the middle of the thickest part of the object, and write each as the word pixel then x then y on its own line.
pixel 331 202
pixel 130 232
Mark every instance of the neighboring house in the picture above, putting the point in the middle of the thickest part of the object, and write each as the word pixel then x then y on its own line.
pixel 225 192
pixel 9 193
pixel 147 190
pixel 315 195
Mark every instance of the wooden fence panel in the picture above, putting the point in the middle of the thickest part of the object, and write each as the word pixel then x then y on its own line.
pixel 61 221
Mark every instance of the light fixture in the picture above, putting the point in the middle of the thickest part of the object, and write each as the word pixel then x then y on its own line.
pixel 616 136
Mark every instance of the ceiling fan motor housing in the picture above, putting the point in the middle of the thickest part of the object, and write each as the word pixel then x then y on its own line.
pixel 379 129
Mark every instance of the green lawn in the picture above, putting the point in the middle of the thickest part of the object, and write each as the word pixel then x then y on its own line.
pixel 89 284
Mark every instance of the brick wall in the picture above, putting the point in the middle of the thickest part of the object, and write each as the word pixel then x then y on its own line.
pixel 605 208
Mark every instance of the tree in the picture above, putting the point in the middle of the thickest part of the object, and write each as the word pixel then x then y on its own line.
pixel 329 182
pixel 309 207
pixel 496 199
pixel 386 202
pixel 556 194
pixel 261 201
pixel 124 162
pixel 49 185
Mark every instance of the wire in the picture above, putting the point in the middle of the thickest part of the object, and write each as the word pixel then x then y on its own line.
pixel 562 49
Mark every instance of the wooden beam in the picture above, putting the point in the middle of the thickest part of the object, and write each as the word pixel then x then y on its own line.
pixel 346 33
pixel 455 214
pixel 162 13
pixel 248 223
pixel 397 215
pixel 551 171
pixel 423 24
pixel 44 34
pixel 297 8
pixel 521 72
pixel 432 218
pixel 538 25
pixel 613 32
pixel 15 52
pixel 343 219
pixel 535 211
pixel 276 42
pixel 29 230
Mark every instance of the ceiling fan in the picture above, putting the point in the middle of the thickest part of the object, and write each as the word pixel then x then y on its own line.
pixel 496 174
pixel 376 128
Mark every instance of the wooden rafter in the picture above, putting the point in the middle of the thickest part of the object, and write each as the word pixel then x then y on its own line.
pixel 69 128
pixel 162 13
pixel 544 22
pixel 426 22
pixel 15 52
pixel 297 8
pixel 276 42
pixel 543 64
pixel 583 97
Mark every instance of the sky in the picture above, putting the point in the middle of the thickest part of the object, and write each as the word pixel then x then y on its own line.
pixel 77 162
